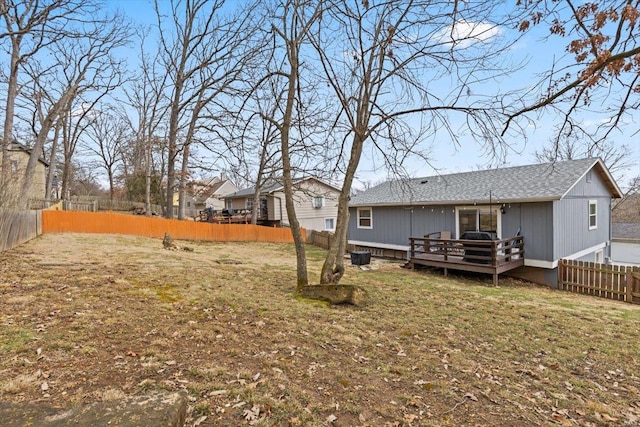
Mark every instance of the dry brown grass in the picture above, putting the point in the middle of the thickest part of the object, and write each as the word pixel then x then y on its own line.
pixel 100 317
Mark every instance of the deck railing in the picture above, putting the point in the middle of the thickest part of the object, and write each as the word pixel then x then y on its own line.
pixel 487 252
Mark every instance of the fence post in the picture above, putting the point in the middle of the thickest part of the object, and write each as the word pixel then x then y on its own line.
pixel 560 275
pixel 628 272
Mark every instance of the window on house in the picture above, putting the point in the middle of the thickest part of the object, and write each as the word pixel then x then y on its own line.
pixel 249 204
pixel 188 204
pixel 329 224
pixel 479 219
pixel 14 167
pixel 593 214
pixel 317 202
pixel 365 218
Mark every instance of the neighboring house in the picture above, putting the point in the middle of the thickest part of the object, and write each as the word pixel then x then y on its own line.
pixel 213 195
pixel 316 204
pixel 19 157
pixel 625 243
pixel 199 196
pixel 562 209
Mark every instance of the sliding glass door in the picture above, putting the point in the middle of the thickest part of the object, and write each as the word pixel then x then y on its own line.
pixel 478 219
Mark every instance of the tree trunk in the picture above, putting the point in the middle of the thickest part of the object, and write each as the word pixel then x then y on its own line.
pixel 52 162
pixel 258 187
pixel 333 268
pixel 147 178
pixel 301 256
pixel 12 93
pixel 183 181
pixel 34 158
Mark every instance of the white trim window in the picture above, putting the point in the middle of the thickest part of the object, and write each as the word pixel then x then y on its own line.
pixel 330 224
pixel 317 202
pixel 593 214
pixel 365 218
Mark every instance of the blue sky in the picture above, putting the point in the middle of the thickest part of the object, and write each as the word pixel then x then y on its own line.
pixel 449 157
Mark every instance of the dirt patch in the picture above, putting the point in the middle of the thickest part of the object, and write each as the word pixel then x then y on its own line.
pixel 88 318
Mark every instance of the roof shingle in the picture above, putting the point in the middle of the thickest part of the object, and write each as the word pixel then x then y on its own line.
pixel 538 182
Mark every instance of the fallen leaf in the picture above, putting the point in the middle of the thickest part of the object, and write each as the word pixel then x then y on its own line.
pixel 199 421
pixel 251 414
pixel 44 386
pixel 471 397
pixel 410 418
pixel 331 419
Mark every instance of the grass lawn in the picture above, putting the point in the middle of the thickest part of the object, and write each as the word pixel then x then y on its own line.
pixel 86 318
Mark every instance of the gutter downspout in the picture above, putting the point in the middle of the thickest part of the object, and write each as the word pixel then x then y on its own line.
pixel 608 258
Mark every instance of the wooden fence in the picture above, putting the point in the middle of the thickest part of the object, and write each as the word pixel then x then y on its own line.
pixel 321 239
pixel 616 282
pixel 17 227
pixel 115 223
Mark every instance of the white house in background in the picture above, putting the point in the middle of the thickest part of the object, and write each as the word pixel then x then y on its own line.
pixel 213 195
pixel 316 204
pixel 200 195
pixel 625 243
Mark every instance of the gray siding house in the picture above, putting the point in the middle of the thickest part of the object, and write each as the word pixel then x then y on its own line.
pixel 562 209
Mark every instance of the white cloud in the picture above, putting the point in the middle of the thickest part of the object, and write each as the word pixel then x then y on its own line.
pixel 464 33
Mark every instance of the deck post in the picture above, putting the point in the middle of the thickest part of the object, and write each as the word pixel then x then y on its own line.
pixel 495 279
pixel 494 254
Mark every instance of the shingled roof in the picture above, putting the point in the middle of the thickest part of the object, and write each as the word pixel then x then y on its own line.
pixel 276 185
pixel 538 182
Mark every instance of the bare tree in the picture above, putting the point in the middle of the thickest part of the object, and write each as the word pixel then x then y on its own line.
pixel 598 78
pixel 146 95
pixel 85 71
pixel 105 138
pixel 28 27
pixel 292 23
pixel 401 72
pixel 258 154
pixel 203 57
pixel 616 157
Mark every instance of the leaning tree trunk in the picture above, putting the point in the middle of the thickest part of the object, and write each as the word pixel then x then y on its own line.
pixel 301 256
pixel 333 268
pixel 52 162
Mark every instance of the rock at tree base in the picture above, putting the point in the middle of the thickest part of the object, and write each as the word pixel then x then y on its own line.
pixel 156 409
pixel 336 294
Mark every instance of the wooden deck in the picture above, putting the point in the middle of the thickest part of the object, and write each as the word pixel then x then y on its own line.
pixel 481 256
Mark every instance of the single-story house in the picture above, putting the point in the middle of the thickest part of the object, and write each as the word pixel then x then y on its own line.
pixel 19 157
pixel 316 203
pixel 562 210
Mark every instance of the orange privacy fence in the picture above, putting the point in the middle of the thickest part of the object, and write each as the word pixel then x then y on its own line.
pixel 114 223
